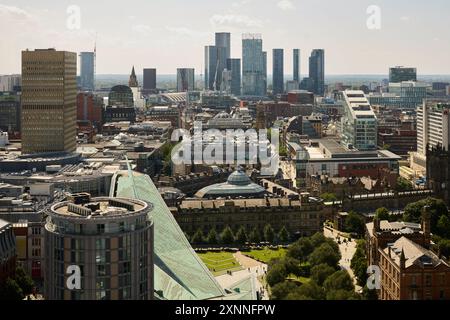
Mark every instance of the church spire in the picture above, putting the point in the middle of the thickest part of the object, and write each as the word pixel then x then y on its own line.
pixel 132 83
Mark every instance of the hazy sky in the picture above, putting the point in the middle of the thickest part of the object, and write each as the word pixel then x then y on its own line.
pixel 167 34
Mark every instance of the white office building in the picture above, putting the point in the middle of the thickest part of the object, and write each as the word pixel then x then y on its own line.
pixel 359 123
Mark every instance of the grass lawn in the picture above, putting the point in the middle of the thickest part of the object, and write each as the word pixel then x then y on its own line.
pixel 266 254
pixel 302 280
pixel 220 262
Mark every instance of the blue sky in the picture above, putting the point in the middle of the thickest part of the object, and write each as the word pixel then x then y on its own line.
pixel 167 34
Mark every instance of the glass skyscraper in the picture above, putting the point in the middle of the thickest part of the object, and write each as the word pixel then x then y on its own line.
pixel 296 55
pixel 87 63
pixel 234 66
pixel 317 71
pixel 278 71
pixel 185 79
pixel 253 66
pixel 400 74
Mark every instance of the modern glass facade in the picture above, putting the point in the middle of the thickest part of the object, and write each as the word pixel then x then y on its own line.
pixel 185 79
pixel 149 80
pixel 296 64
pixel 359 123
pixel 400 74
pixel 278 71
pixel 254 71
pixel 234 66
pixel 317 71
pixel 87 69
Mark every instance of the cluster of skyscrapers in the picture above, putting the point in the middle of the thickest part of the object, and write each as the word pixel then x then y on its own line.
pixel 223 73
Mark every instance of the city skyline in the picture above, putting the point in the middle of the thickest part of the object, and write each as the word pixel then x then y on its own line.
pixel 409 32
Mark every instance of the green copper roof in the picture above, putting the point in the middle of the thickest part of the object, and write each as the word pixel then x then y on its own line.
pixel 179 272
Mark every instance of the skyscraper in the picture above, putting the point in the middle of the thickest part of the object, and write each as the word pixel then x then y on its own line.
pixel 87 66
pixel 296 57
pixel 185 79
pixel 278 71
pixel 234 66
pixel 400 74
pixel 149 80
pixel 49 101
pixel 253 66
pixel 223 40
pixel 265 77
pixel 317 71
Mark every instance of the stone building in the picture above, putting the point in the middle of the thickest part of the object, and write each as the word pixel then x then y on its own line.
pixel 303 217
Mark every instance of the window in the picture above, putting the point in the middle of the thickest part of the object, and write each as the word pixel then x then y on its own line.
pixel 428 280
pixel 100 228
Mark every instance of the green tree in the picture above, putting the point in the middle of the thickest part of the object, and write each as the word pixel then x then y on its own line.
pixel 340 280
pixel 281 290
pixel 444 247
pixel 325 254
pixel 329 197
pixel 317 239
pixel 301 249
pixel 340 294
pixel 227 236
pixel 359 263
pixel 269 234
pixel 311 290
pixel 369 294
pixel 254 236
pixel 24 281
pixel 283 235
pixel 355 223
pixel 198 237
pixel 241 236
pixel 403 185
pixel 413 212
pixel 276 274
pixel 382 214
pixel 212 237
pixel 10 290
pixel 443 226
pixel 321 272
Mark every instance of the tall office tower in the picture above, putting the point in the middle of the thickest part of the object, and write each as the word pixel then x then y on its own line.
pixel 87 67
pixel 278 71
pixel 133 82
pixel 234 66
pixel 149 80
pixel 296 55
pixel 359 123
pixel 253 66
pixel 265 72
pixel 400 74
pixel 433 125
pixel 317 71
pixel 185 79
pixel 223 40
pixel 49 101
pixel 211 67
pixel 109 239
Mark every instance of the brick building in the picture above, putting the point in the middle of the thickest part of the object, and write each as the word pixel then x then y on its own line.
pixel 412 272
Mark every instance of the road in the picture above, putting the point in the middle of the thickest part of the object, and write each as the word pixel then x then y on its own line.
pixel 347 251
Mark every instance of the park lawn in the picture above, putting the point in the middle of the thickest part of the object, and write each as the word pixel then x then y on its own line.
pixel 266 254
pixel 219 262
pixel 302 280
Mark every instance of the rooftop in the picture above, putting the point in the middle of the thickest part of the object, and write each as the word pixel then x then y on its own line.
pixel 414 254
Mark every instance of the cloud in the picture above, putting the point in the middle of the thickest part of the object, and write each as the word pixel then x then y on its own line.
pixel 286 5
pixel 14 12
pixel 235 20
pixel 142 29
pixel 184 31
